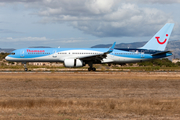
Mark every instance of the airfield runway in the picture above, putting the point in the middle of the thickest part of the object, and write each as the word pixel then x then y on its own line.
pixel 90 95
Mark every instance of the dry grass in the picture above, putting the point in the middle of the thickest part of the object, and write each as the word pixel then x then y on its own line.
pixel 87 96
pixel 90 108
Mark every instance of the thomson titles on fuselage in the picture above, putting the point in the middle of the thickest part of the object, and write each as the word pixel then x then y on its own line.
pixel 35 50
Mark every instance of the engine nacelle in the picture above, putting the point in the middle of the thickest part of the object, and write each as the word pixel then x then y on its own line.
pixel 73 63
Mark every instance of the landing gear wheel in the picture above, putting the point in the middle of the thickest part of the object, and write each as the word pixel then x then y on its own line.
pixel 25 69
pixel 94 69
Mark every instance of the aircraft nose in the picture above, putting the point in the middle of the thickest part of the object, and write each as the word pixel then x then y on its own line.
pixel 7 58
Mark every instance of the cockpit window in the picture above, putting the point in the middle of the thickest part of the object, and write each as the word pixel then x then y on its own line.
pixel 12 53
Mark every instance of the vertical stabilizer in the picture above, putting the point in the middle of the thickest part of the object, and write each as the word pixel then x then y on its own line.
pixel 160 39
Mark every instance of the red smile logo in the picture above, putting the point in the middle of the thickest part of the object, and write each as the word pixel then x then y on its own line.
pixel 163 41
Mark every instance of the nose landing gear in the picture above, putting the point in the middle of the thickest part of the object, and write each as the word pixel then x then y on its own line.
pixel 25 67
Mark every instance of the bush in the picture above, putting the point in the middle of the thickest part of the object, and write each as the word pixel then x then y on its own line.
pixel 159 62
pixel 178 63
pixel 3 55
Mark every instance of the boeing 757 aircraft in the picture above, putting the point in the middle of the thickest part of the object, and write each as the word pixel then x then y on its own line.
pixel 79 57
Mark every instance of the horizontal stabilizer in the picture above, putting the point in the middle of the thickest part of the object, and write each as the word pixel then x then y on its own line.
pixel 161 53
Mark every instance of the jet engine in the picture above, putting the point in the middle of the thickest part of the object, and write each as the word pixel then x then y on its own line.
pixel 73 63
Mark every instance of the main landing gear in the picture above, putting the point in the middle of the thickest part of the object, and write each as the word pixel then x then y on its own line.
pixel 91 68
pixel 25 67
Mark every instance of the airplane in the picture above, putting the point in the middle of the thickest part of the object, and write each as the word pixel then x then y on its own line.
pixel 79 57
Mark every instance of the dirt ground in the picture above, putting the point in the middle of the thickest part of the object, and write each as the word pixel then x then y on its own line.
pixel 90 96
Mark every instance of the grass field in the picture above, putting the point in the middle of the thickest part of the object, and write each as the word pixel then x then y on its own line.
pixel 90 96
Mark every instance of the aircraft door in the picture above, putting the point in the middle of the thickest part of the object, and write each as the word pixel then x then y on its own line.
pixel 54 54
pixel 22 53
pixel 142 54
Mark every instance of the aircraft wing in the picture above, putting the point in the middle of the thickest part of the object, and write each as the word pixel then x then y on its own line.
pixel 111 48
pixel 98 56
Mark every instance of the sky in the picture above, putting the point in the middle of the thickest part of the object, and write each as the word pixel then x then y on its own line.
pixel 84 23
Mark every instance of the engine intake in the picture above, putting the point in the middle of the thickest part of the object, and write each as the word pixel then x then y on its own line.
pixel 73 63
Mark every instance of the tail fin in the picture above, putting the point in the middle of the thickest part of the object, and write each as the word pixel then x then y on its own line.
pixel 160 39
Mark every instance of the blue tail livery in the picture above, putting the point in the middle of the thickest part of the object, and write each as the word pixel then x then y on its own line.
pixel 79 57
pixel 160 39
